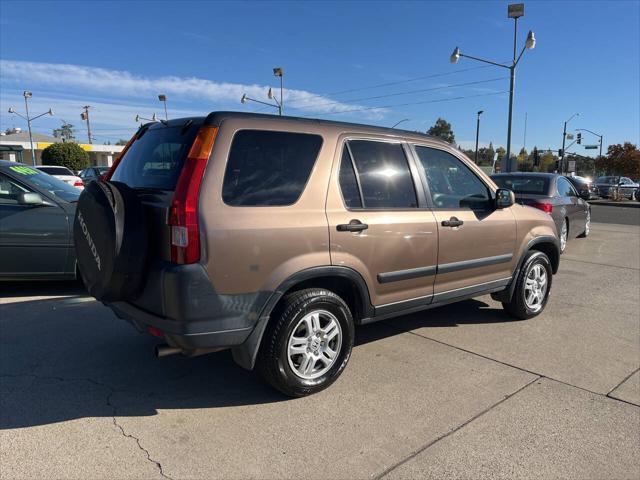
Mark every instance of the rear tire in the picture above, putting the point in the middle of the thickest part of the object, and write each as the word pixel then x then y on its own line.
pixel 533 286
pixel 307 344
pixel 564 235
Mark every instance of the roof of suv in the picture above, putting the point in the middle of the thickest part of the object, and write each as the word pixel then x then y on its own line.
pixel 215 118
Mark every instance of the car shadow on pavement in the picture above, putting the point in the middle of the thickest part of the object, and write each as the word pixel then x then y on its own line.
pixel 71 358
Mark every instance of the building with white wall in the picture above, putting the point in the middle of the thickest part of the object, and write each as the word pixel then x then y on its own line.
pixel 15 146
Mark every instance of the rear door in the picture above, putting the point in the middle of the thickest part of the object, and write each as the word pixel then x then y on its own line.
pixel 574 207
pixel 379 224
pixel 476 241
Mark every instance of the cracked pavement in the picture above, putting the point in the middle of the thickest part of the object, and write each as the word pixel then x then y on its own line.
pixel 457 392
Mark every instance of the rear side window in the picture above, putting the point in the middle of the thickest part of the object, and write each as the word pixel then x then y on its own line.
pixel 383 173
pixel 267 168
pixel 155 159
pixel 56 170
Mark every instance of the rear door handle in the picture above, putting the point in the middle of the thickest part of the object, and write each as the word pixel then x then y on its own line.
pixel 352 226
pixel 452 222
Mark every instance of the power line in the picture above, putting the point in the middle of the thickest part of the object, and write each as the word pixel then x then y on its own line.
pixel 411 103
pixel 414 79
pixel 409 92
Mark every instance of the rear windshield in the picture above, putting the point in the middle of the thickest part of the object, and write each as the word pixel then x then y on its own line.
pixel 156 158
pixel 523 184
pixel 56 170
pixel 608 180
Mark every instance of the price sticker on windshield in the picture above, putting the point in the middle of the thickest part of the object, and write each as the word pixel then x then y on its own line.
pixel 24 170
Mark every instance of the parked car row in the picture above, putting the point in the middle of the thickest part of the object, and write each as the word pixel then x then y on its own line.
pixel 624 187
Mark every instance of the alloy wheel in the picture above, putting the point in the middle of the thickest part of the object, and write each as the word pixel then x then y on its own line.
pixel 563 236
pixel 535 287
pixel 314 344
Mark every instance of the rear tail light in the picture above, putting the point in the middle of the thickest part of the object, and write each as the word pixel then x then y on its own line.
pixel 78 183
pixel 545 207
pixel 183 215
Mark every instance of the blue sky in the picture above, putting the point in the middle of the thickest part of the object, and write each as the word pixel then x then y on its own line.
pixel 116 56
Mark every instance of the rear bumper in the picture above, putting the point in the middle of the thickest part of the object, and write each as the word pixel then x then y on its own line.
pixel 181 302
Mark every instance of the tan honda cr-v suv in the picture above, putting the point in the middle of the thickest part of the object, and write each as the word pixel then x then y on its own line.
pixel 275 236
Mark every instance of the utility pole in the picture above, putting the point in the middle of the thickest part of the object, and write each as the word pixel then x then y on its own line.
pixel 477 135
pixel 85 116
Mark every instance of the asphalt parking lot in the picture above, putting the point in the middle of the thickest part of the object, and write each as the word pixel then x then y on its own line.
pixel 462 391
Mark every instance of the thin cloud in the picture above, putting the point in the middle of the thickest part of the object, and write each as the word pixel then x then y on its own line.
pixel 126 84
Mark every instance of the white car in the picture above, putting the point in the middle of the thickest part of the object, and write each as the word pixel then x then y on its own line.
pixel 64 174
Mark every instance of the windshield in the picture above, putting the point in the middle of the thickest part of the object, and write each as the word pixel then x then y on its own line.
pixel 608 180
pixel 56 170
pixel 155 159
pixel 523 184
pixel 57 188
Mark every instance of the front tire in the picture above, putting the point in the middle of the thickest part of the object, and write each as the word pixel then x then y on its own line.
pixel 533 286
pixel 308 344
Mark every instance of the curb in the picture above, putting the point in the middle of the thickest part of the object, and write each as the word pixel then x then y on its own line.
pixel 609 203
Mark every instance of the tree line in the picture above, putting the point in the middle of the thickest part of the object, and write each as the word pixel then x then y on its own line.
pixel 620 159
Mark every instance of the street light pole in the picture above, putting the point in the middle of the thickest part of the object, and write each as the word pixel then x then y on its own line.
pixel 478 135
pixel 515 11
pixel 27 94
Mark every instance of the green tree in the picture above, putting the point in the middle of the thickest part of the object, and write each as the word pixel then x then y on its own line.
pixel 442 129
pixel 122 142
pixel 67 154
pixel 621 159
pixel 547 162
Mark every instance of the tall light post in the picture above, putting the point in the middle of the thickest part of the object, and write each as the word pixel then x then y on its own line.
pixel 564 140
pixel 27 94
pixel 245 99
pixel 279 72
pixel 480 112
pixel 163 98
pixel 514 11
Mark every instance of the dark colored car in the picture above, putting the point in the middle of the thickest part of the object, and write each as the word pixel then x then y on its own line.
pixel 626 187
pixel 92 173
pixel 553 194
pixel 36 224
pixel 585 187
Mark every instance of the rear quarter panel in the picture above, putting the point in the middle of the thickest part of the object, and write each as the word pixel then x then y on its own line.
pixel 251 249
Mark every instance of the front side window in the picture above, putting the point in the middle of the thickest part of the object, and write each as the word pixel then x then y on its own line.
pixel 451 183
pixel 10 191
pixel 57 188
pixel 383 173
pixel 267 168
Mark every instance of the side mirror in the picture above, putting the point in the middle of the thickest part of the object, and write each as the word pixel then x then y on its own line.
pixel 30 198
pixel 504 198
pixel 584 194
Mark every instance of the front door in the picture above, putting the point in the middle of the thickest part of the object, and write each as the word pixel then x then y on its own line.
pixel 476 241
pixel 377 226
pixel 34 239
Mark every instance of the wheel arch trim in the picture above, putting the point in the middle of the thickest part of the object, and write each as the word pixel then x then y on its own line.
pixel 245 354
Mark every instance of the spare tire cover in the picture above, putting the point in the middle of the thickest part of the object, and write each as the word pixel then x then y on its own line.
pixel 110 235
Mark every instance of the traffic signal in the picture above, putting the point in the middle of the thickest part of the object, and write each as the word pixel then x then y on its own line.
pixel 579 139
pixel 561 153
pixel 83 116
pixel 536 157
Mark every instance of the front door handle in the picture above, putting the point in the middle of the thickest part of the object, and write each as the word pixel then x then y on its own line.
pixel 452 222
pixel 352 226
